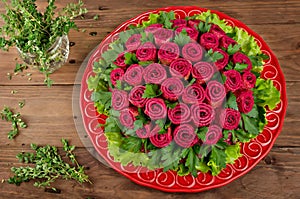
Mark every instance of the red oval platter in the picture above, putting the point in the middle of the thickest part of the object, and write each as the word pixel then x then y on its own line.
pixel 169 181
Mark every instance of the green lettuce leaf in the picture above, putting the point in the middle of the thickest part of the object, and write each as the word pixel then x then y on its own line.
pixel 232 153
pixel 266 93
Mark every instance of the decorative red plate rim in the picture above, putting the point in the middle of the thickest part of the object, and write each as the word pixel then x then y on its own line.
pixel 169 181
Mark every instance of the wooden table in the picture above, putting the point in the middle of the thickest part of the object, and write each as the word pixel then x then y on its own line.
pixel 48 111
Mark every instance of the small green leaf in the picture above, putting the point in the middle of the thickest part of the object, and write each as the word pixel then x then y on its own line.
pixel 240 67
pixel 151 91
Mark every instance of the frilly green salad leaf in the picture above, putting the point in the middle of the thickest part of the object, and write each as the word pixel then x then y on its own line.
pixel 126 147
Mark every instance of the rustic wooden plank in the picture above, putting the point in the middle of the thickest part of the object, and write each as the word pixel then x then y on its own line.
pixel 277 176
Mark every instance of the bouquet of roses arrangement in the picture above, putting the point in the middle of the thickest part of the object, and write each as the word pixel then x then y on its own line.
pixel 181 94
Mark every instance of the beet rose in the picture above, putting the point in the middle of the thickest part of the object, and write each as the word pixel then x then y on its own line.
pixel 172 88
pixel 181 68
pixel 226 41
pixel 154 74
pixel 134 75
pixel 146 52
pixel 215 92
pixel 185 136
pixel 213 135
pixel 120 61
pixel 193 94
pixel 156 108
pixel 203 71
pixel 209 41
pixel 233 80
pixel 180 114
pixel 193 23
pixel 221 63
pixel 245 101
pixel 119 100
pixel 153 28
pixel 192 52
pixel 162 36
pixel 133 42
pixel 136 96
pixel 230 119
pixel 168 52
pixel 160 140
pixel 249 80
pixel 178 22
pixel 191 32
pixel 115 75
pixel 127 118
pixel 241 58
pixel 216 30
pixel 202 114
pixel 144 132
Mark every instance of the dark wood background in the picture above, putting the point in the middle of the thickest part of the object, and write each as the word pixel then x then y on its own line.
pixel 48 112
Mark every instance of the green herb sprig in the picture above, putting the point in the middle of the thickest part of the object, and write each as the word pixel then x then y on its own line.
pixel 34 32
pixel 16 122
pixel 48 166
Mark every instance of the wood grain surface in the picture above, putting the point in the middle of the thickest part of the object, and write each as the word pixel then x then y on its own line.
pixel 49 114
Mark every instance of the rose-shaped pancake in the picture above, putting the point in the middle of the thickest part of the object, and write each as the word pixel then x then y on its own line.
pixel 202 114
pixel 213 135
pixel 209 41
pixel 115 75
pixel 162 36
pixel 241 58
pixel 191 32
pixel 193 94
pixel 168 52
pixel 215 92
pixel 233 80
pixel 146 52
pixel 134 75
pixel 160 140
pixel 154 74
pixel 185 136
pixel 181 68
pixel 249 80
pixel 230 119
pixel 180 114
pixel 203 71
pixel 136 96
pixel 133 42
pixel 144 132
pixel 119 100
pixel 156 108
pixel 221 63
pixel 127 118
pixel 192 52
pixel 245 101
pixel 120 61
pixel 172 88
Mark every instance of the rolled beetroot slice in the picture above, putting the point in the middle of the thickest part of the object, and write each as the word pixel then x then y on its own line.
pixel 193 94
pixel 168 52
pixel 216 30
pixel 233 80
pixel 126 118
pixel 181 68
pixel 202 114
pixel 180 114
pixel 160 140
pixel 172 88
pixel 134 75
pixel 162 36
pixel 144 132
pixel 115 75
pixel 230 119
pixel 156 108
pixel 213 135
pixel 178 22
pixel 209 41
pixel 153 28
pixel 215 92
pixel 221 63
pixel 136 96
pixel 191 32
pixel 133 42
pixel 154 74
pixel 203 71
pixel 185 136
pixel 119 100
pixel 241 58
pixel 146 52
pixel 192 52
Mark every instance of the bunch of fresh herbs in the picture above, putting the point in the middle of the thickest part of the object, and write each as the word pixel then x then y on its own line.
pixel 34 32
